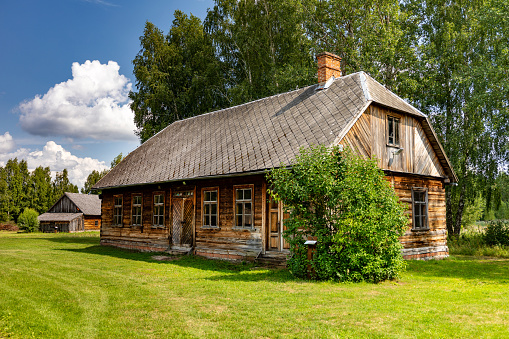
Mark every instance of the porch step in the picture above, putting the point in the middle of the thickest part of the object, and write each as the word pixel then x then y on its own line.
pixel 277 259
pixel 179 250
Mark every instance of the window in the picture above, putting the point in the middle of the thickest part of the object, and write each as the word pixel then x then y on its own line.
pixel 392 131
pixel 210 218
pixel 117 210
pixel 136 210
pixel 243 207
pixel 158 210
pixel 420 208
pixel 97 223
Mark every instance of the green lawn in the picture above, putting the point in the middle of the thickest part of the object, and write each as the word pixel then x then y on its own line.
pixel 67 285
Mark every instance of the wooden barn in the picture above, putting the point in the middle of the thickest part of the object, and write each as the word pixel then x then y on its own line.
pixel 199 185
pixel 73 212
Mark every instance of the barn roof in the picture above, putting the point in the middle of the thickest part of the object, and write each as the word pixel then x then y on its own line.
pixel 89 204
pixel 59 216
pixel 259 135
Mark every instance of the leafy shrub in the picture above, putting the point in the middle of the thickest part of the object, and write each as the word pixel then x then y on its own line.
pixel 27 221
pixel 344 202
pixel 497 233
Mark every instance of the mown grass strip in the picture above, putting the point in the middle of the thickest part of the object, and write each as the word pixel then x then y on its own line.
pixel 68 286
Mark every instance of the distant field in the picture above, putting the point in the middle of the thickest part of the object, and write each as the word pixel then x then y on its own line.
pixel 68 286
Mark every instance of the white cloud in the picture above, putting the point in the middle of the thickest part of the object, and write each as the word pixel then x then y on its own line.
pixel 93 104
pixel 6 143
pixel 57 158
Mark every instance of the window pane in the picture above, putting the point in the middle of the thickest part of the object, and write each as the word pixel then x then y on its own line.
pixel 417 222
pixel 206 222
pixel 207 196
pixel 207 209
pixel 213 220
pixel 213 208
pixel 240 194
pixel 247 207
pixel 396 131
pixel 247 194
pixel 213 196
pixel 239 209
pixel 247 220
pixel 239 220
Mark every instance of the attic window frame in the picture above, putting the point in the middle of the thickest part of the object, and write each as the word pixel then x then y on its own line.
pixel 396 130
pixel 210 203
pixel 158 205
pixel 423 220
pixel 140 206
pixel 118 217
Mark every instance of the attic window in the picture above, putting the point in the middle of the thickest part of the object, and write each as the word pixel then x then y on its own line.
pixel 393 131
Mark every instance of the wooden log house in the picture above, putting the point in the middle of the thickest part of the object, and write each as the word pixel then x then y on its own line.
pixel 199 185
pixel 73 212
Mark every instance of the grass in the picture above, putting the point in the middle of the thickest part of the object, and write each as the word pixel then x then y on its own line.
pixel 68 286
pixel 472 242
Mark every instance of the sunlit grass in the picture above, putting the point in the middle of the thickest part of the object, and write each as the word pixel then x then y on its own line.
pixel 68 286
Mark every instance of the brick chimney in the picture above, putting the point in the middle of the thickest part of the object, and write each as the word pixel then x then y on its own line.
pixel 328 66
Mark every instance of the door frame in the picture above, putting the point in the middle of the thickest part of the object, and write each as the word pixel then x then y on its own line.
pixel 193 221
pixel 266 228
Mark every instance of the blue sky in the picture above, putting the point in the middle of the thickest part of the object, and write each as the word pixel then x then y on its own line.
pixel 65 71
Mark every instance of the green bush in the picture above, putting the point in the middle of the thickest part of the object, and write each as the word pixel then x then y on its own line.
pixel 497 233
pixel 27 221
pixel 344 202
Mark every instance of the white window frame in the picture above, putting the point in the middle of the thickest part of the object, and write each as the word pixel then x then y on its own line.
pixel 136 207
pixel 396 129
pixel 243 203
pixel 156 217
pixel 210 203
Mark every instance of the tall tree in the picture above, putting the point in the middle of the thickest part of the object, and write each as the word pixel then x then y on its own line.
pixel 177 76
pixel 4 196
pixel 263 47
pixel 42 189
pixel 15 187
pixel 463 86
pixel 92 179
pixel 369 35
pixel 61 184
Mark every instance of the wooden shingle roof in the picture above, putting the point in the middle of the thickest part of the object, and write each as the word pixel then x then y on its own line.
pixel 255 136
pixel 89 204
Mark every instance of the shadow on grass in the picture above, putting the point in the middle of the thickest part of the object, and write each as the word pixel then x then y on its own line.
pixel 230 271
pixel 463 267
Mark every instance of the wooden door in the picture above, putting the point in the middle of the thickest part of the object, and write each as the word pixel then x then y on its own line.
pixel 275 226
pixel 183 218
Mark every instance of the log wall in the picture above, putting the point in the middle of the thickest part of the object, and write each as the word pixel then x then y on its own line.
pixel 416 166
pixel 225 241
pixel 90 223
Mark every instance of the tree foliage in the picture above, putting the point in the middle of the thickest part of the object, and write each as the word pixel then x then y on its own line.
pixel 177 76
pixel 21 189
pixel 448 58
pixel 463 85
pixel 345 203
